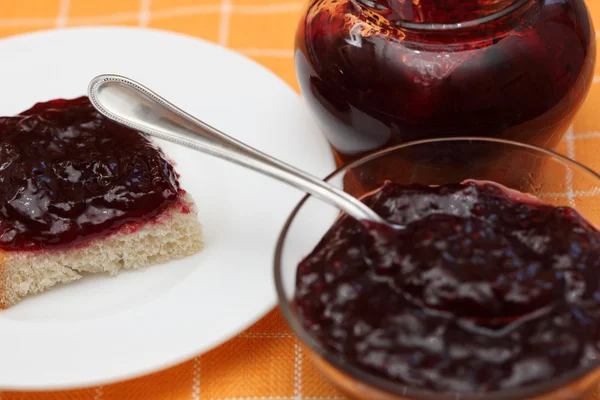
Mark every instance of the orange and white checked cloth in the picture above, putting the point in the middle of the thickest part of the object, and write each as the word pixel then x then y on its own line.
pixel 265 362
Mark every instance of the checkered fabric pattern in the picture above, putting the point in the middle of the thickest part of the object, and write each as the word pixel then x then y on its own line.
pixel 265 362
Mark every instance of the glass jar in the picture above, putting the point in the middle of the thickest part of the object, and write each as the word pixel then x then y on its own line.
pixel 377 73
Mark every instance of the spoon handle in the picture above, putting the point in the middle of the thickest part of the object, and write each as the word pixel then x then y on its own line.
pixel 135 106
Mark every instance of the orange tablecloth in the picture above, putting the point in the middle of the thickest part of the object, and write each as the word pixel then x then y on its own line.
pixel 265 362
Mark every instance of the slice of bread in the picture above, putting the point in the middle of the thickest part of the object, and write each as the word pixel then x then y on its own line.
pixel 174 233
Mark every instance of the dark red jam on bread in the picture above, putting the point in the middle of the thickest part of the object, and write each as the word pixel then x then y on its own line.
pixel 68 175
pixel 482 289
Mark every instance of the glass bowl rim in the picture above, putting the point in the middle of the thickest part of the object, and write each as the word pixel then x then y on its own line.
pixel 382 384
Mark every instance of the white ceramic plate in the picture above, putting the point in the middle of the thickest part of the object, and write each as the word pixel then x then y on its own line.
pixel 102 329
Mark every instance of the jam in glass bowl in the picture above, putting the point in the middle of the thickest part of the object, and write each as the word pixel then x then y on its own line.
pixel 392 349
pixel 378 73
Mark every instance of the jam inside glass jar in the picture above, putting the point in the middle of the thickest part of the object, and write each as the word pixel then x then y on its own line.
pixel 377 73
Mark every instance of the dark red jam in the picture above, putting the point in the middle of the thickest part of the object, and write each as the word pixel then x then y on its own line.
pixel 512 69
pixel 480 291
pixel 68 174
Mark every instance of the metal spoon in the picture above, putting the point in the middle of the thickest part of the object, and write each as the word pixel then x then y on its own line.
pixel 133 105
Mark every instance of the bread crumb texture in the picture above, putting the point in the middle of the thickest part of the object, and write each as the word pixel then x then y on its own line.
pixel 175 233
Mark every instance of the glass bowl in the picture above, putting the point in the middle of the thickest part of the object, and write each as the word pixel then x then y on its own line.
pixel 551 177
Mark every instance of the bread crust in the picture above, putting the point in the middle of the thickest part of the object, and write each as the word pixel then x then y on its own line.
pixel 3 276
